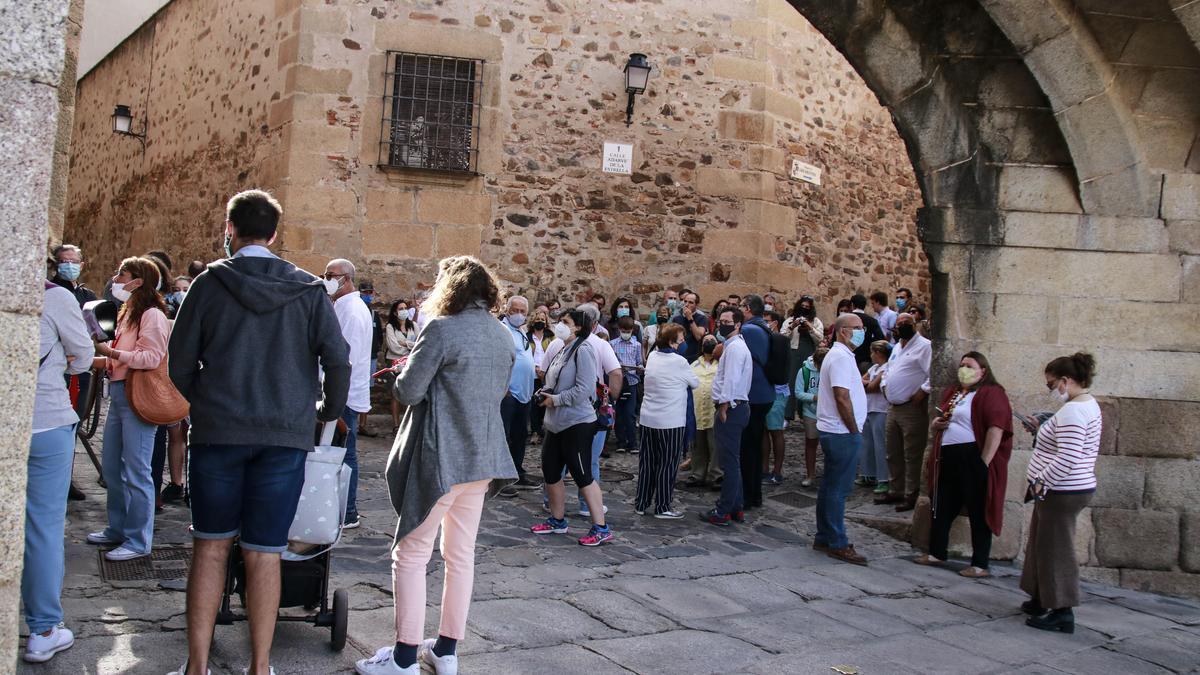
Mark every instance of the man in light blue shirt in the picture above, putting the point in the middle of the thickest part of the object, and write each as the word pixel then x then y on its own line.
pixel 514 409
pixel 884 314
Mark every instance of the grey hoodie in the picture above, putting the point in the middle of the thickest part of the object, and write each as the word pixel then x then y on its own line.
pixel 244 352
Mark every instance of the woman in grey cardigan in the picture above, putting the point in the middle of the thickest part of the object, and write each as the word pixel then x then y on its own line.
pixel 450 450
pixel 569 425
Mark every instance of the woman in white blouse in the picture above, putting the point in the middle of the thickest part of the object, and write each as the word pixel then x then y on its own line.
pixel 663 422
pixel 399 336
pixel 1062 478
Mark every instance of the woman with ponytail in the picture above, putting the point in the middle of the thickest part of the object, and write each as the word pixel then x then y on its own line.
pixel 140 344
pixel 1062 480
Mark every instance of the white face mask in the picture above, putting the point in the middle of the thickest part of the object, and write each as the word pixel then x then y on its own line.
pixel 406 314
pixel 1060 395
pixel 332 285
pixel 562 332
pixel 626 336
pixel 119 292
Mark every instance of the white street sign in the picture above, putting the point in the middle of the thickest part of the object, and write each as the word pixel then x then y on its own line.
pixel 618 158
pixel 806 172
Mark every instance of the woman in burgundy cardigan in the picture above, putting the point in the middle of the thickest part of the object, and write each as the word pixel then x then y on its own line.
pixel 969 463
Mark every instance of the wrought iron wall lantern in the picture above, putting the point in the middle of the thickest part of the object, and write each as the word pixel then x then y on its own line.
pixel 122 121
pixel 637 74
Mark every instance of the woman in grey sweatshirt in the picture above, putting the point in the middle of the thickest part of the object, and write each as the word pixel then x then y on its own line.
pixel 570 424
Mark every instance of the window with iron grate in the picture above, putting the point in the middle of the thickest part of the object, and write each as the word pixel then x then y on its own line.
pixel 431 113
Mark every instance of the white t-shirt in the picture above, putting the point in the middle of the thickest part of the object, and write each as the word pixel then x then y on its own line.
pixel 876 401
pixel 840 370
pixel 960 429
pixel 606 358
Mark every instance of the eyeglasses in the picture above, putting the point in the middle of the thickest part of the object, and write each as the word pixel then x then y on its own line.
pixel 329 276
pixel 1052 384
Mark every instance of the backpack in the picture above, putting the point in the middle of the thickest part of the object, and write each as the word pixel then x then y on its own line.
pixel 776 368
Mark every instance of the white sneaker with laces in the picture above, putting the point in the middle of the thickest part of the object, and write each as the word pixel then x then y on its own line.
pixel 121 553
pixel 41 648
pixel 442 665
pixel 668 515
pixel 101 539
pixel 383 664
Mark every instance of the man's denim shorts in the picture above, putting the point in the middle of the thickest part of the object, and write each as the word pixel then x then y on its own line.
pixel 249 491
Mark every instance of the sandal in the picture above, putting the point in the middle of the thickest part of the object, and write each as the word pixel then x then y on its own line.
pixel 974 573
pixel 928 560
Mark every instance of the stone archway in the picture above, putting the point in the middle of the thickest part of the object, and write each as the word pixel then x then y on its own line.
pixel 1051 217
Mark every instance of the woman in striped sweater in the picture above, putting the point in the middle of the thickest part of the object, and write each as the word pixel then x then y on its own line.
pixel 1062 478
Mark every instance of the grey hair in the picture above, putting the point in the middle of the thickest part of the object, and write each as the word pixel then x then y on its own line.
pixel 346 265
pixel 591 310
pixel 513 298
pixel 66 247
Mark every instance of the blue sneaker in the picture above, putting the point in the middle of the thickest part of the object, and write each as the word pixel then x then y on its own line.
pixel 596 536
pixel 551 525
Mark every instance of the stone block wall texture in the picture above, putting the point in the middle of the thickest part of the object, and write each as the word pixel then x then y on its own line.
pixel 41 39
pixel 710 204
pixel 1053 151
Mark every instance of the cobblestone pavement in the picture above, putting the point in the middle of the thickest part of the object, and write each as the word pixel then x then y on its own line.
pixel 663 597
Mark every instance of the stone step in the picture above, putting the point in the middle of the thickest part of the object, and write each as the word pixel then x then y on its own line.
pixel 883 517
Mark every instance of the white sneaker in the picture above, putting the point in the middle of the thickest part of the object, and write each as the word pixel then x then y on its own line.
pixel 121 553
pixel 583 510
pixel 668 515
pixel 101 539
pixel 246 670
pixel 442 665
pixel 383 664
pixel 41 648
pixel 183 670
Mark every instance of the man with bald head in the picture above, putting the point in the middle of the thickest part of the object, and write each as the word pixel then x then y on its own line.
pixel 841 413
pixel 355 320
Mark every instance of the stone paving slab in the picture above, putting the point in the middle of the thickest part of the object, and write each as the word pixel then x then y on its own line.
pixel 663 597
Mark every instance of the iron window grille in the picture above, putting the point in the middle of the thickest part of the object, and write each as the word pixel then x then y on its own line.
pixel 431 112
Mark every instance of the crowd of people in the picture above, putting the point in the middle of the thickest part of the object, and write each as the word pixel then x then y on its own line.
pixel 259 352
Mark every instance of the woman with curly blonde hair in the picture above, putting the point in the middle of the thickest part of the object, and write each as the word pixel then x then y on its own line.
pixel 450 451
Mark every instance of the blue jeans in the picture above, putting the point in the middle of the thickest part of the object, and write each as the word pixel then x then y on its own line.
pixel 249 491
pixel 49 467
pixel 729 452
pixel 841 457
pixel 128 448
pixel 625 426
pixel 350 417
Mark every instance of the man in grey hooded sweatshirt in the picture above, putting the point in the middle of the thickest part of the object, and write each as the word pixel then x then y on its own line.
pixel 244 351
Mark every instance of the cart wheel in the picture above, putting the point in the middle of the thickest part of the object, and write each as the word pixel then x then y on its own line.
pixel 341 612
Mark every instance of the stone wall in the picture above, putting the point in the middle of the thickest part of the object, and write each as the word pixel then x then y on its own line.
pixel 201 77
pixel 710 204
pixel 40 41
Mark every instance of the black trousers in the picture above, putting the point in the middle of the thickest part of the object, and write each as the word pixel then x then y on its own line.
pixel 962 481
pixel 537 414
pixel 751 454
pixel 516 429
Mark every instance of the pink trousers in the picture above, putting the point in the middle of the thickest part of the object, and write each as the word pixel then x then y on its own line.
pixel 457 513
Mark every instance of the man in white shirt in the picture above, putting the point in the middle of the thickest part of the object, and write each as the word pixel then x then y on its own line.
pixel 731 394
pixel 841 414
pixel 355 320
pixel 884 315
pixel 905 384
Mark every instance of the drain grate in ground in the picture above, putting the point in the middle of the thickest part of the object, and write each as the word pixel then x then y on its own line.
pixel 796 499
pixel 162 564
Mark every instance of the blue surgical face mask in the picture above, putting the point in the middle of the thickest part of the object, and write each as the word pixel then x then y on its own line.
pixel 68 270
pixel 900 303
pixel 857 336
pixel 367 298
pixel 622 311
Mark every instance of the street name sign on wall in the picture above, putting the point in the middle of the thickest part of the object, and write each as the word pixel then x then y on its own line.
pixel 806 172
pixel 618 158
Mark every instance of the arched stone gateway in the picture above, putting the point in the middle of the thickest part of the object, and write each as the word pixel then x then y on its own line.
pixel 1054 143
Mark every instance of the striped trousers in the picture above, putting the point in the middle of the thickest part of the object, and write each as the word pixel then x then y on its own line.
pixel 658 464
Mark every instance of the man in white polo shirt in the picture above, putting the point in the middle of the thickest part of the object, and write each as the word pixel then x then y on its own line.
pixel 841 413
pixel 355 320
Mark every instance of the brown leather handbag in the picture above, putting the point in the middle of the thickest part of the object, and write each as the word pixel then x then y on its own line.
pixel 153 397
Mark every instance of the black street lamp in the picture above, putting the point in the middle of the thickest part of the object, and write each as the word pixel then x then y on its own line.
pixel 122 121
pixel 637 74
